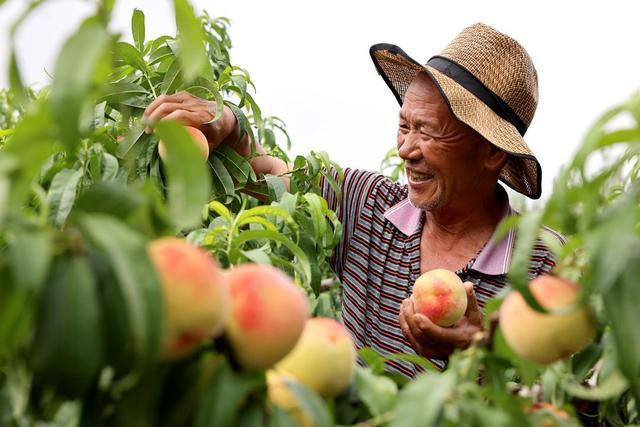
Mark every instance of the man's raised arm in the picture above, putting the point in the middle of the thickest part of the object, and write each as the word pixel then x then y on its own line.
pixel 190 110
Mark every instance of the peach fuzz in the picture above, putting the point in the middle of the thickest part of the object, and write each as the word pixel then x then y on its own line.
pixel 194 293
pixel 323 359
pixel 440 295
pixel 196 135
pixel 268 312
pixel 547 337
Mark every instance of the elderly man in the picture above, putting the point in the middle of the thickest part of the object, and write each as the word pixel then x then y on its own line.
pixel 461 123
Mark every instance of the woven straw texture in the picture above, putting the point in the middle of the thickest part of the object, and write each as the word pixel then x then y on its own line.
pixel 505 68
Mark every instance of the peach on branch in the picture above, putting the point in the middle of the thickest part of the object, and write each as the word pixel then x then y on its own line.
pixel 194 292
pixel 323 359
pixel 440 295
pixel 547 337
pixel 196 135
pixel 268 312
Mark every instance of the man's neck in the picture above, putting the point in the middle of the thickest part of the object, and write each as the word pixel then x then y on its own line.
pixel 478 218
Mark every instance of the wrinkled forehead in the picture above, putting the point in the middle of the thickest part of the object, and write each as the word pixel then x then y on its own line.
pixel 423 101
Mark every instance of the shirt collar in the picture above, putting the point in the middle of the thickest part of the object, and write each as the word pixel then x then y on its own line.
pixel 493 259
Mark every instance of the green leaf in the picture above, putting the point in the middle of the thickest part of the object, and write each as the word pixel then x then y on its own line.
pixel 302 262
pixel 310 403
pixel 121 91
pixel 15 80
pixel 110 167
pixel 221 402
pixel 134 135
pixel 421 402
pixel 314 203
pixel 237 165
pixel 313 164
pixel 222 181
pixel 192 54
pixel 160 54
pixel 62 195
pixel 30 255
pixel 328 176
pixel 257 220
pixel 414 358
pixel 137 28
pixel 83 62
pixel 377 392
pixel 17 314
pixel 528 228
pixel 258 256
pixel 281 418
pixel 67 349
pixel 221 210
pixel 189 182
pixel 614 385
pixel 621 304
pixel 373 359
pixel 264 210
pixel 136 278
pixel 126 53
pixel 172 78
pixel 109 198
pixel 29 147
pixel 276 187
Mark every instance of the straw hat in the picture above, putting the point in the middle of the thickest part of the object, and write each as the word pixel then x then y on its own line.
pixel 490 84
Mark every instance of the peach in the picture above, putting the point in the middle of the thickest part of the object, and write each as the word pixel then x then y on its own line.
pixel 268 312
pixel 440 295
pixel 196 135
pixel 323 359
pixel 194 292
pixel 281 395
pixel 547 337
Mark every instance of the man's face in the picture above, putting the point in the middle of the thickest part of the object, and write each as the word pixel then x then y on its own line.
pixel 443 156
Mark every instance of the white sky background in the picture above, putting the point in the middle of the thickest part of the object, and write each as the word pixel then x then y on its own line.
pixel 311 66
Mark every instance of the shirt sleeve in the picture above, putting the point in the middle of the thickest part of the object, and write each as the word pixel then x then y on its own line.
pixel 542 258
pixel 356 186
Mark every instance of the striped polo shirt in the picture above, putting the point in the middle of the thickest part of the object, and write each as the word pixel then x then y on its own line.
pixel 378 260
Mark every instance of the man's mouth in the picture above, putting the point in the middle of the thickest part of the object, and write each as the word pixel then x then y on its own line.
pixel 418 177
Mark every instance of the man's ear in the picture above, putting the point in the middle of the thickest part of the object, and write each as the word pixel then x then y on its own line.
pixel 496 159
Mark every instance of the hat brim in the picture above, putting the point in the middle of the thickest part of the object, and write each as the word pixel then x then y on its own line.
pixel 522 172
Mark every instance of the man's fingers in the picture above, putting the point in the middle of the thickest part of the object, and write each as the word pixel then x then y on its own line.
pixel 473 312
pixel 159 101
pixel 429 331
pixel 166 109
pixel 181 116
pixel 406 312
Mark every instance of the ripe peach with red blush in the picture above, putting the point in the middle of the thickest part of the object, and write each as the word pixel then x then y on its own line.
pixel 268 313
pixel 194 292
pixel 198 138
pixel 440 295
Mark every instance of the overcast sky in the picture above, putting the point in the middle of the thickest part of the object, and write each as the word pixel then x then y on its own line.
pixel 311 66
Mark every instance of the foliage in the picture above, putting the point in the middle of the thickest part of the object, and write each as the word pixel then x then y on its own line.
pixel 82 190
pixel 392 165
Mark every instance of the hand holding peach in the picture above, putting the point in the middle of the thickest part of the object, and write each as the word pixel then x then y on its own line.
pixel 431 340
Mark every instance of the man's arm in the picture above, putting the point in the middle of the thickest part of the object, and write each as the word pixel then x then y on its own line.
pixel 190 110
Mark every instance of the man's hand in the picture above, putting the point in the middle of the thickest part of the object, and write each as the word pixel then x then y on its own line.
pixel 193 111
pixel 433 341
pixel 190 110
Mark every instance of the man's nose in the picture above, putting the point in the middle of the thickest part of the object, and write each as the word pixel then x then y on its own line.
pixel 409 148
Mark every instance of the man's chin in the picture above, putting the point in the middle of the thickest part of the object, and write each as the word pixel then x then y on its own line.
pixel 423 203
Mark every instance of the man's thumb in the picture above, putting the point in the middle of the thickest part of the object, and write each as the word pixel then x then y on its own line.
pixel 472 302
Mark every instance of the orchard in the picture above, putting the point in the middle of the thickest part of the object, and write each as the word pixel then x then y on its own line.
pixel 148 280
